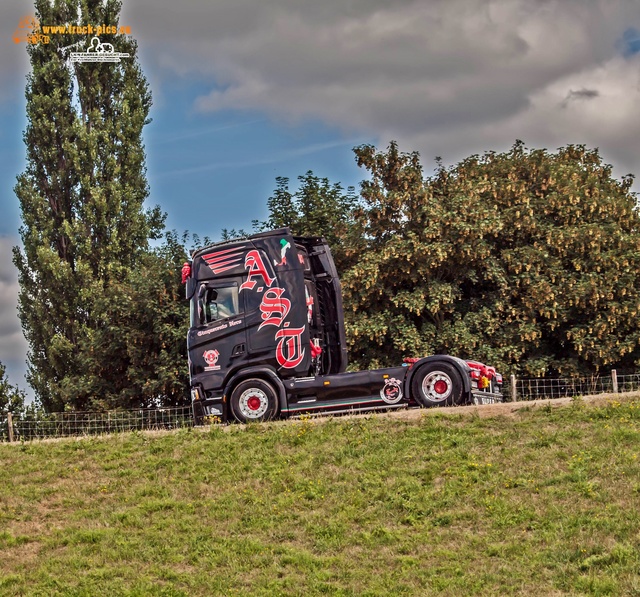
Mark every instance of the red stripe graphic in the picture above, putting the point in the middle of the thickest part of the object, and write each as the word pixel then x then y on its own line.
pixel 224 260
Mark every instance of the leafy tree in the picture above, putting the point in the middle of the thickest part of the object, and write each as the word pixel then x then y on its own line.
pixel 316 208
pixel 11 400
pixel 283 210
pixel 137 356
pixel 230 234
pixel 11 397
pixel 81 195
pixel 529 260
pixel 418 247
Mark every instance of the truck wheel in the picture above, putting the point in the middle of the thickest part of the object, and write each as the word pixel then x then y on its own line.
pixel 253 400
pixel 437 384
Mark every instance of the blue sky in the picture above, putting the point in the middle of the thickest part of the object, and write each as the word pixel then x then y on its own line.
pixel 216 171
pixel 246 91
pixel 221 164
pixel 630 42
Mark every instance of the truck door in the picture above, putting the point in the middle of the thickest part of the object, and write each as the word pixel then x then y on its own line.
pixel 276 313
pixel 217 334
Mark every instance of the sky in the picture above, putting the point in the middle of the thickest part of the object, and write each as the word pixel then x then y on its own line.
pixel 245 91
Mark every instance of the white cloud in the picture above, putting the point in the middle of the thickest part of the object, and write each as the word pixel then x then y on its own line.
pixel 447 77
pixel 558 114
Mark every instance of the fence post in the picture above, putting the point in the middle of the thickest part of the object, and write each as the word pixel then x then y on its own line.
pixel 10 425
pixel 513 388
pixel 614 379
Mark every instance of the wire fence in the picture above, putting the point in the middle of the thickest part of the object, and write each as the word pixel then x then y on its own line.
pixel 549 388
pixel 536 389
pixel 79 423
pixel 629 383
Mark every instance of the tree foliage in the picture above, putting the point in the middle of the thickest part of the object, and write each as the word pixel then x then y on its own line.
pixel 12 399
pixel 136 356
pixel 529 260
pixel 317 208
pixel 86 285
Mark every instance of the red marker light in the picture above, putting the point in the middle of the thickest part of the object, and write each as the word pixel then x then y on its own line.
pixel 186 271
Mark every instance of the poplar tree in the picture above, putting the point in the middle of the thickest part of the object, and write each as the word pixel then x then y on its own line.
pixel 85 228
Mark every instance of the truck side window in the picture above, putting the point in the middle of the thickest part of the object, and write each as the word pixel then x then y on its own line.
pixel 217 303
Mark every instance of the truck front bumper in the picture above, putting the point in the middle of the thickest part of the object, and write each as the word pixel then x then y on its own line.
pixel 207 410
pixel 482 397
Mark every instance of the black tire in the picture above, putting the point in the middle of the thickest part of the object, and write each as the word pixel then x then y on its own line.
pixel 437 384
pixel 253 400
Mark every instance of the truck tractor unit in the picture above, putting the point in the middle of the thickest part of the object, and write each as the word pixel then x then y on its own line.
pixel 267 339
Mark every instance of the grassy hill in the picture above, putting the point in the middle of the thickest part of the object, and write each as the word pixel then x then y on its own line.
pixel 534 500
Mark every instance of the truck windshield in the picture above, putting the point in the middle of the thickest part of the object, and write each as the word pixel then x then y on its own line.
pixel 217 303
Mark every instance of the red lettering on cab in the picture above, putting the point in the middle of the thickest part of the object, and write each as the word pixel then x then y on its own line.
pixel 274 307
pixel 289 352
pixel 253 262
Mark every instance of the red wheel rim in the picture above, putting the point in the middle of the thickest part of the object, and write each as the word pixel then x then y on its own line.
pixel 253 403
pixel 440 386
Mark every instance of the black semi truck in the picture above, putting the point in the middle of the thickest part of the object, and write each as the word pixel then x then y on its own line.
pixel 267 339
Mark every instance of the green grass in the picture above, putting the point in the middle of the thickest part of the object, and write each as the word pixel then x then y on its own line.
pixel 544 502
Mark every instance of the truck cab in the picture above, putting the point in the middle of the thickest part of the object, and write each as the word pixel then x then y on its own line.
pixel 267 339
